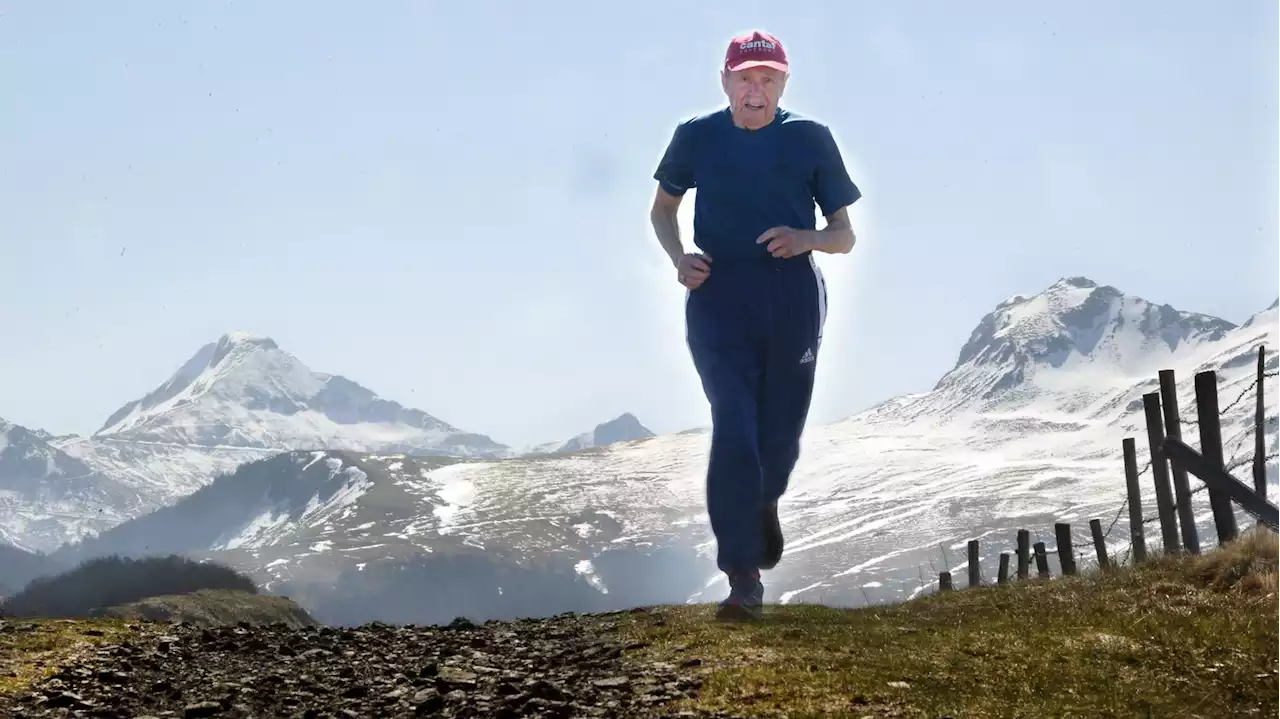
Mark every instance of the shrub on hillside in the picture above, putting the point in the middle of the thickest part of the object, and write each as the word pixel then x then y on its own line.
pixel 112 580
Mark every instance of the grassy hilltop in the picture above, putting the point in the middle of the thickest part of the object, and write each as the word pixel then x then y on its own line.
pixel 1189 637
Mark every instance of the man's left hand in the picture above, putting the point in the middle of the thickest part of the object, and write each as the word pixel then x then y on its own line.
pixel 787 241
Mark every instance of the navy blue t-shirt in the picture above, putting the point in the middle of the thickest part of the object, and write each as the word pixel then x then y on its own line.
pixel 751 180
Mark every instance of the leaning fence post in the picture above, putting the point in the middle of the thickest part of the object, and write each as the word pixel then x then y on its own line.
pixel 1259 424
pixel 1181 487
pixel 1003 577
pixel 944 581
pixel 1160 474
pixel 1024 554
pixel 975 570
pixel 1099 544
pixel 1224 517
pixel 1042 560
pixel 1137 536
pixel 1066 558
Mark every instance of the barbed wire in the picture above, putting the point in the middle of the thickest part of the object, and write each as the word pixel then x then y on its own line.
pixel 1084 549
pixel 1229 467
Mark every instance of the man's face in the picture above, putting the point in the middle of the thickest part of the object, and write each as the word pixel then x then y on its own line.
pixel 754 94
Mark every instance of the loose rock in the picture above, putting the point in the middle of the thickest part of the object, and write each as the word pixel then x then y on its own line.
pixel 546 668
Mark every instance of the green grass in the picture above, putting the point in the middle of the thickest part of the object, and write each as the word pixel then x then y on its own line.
pixel 32 650
pixel 1190 638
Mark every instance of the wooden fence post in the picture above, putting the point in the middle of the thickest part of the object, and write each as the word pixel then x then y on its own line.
pixel 1137 537
pixel 944 581
pixel 1259 425
pixel 1224 516
pixel 1003 577
pixel 1160 474
pixel 1220 480
pixel 1099 544
pixel 1066 557
pixel 975 571
pixel 1181 487
pixel 1042 560
pixel 1024 554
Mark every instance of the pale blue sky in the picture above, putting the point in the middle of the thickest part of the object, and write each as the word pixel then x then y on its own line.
pixel 448 202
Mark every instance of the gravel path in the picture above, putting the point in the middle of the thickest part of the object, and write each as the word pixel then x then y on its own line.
pixel 564 667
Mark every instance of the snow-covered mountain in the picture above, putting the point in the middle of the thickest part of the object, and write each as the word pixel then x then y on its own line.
pixel 1023 432
pixel 244 391
pixel 40 486
pixel 1067 343
pixel 623 428
pixel 236 400
pixel 335 529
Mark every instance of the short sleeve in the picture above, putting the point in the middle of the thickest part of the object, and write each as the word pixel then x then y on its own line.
pixel 833 188
pixel 675 171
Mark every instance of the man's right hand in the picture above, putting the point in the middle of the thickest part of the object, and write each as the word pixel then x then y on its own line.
pixel 693 269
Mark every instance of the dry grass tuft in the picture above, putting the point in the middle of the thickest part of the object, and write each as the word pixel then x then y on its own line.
pixel 1248 564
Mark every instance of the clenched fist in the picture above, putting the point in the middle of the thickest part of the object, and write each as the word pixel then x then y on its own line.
pixel 693 269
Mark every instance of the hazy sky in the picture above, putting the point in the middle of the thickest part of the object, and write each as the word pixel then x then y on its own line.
pixel 448 202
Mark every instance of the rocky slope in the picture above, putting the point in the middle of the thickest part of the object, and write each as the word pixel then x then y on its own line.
pixel 568 666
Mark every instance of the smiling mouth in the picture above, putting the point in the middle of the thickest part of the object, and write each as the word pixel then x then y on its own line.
pixel 749 106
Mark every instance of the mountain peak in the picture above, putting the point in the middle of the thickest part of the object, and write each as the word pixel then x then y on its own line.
pixel 1073 323
pixel 623 428
pixel 244 391
pixel 241 337
pixel 1080 283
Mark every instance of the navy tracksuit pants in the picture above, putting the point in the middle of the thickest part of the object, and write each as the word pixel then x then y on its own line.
pixel 753 329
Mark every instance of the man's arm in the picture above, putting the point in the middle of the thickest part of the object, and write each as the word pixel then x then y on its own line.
pixel 835 192
pixel 663 216
pixel 675 177
pixel 837 237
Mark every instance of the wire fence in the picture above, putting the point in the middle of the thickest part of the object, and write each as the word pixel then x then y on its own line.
pixel 1231 466
pixel 1084 550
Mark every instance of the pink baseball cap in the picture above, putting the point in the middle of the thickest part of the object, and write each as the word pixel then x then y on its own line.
pixel 755 49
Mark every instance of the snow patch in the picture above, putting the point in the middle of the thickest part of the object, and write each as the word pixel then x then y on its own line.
pixel 588 571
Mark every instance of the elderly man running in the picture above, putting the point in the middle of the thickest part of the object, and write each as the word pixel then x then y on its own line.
pixel 756 301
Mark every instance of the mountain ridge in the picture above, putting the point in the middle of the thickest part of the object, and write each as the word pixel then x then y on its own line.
pixel 612 490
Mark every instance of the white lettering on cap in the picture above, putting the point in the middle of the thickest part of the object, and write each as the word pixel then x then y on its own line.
pixel 758 45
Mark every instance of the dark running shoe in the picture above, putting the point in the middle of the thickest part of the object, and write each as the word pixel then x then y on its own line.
pixel 770 537
pixel 745 601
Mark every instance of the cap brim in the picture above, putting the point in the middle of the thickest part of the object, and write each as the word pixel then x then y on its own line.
pixel 779 66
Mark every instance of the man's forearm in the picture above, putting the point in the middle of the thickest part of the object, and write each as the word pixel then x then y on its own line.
pixel 667 228
pixel 837 237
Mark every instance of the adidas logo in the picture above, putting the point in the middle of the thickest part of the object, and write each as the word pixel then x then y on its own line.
pixel 807 357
